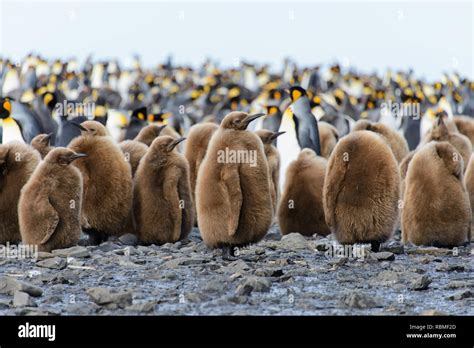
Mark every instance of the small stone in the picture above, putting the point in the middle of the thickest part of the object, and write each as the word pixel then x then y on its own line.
pixel 429 251
pixel 461 295
pixel 75 251
pixel 356 299
pixel 294 241
pixel 258 284
pixel 420 283
pixel 394 247
pixel 9 285
pixel 128 239
pixel 433 312
pixel 383 256
pixel 104 296
pixel 259 251
pixel 446 267
pixel 42 255
pixel 22 299
pixel 457 284
pixel 53 263
pixel 144 307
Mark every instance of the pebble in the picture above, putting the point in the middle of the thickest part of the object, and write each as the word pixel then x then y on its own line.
pixel 420 283
pixel 53 263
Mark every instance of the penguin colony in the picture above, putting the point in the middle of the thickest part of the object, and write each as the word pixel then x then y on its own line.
pixel 162 150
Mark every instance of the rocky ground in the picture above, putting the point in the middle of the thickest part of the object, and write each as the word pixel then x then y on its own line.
pixel 293 275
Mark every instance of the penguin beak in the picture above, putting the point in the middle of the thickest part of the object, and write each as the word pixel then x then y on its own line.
pixel 80 127
pixel 251 118
pixel 276 135
pixel 47 138
pixel 160 129
pixel 172 145
pixel 77 156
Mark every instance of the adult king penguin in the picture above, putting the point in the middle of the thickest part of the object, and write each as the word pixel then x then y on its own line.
pixel 301 127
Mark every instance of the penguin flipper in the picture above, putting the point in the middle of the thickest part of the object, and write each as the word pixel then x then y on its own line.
pixel 231 178
pixel 51 219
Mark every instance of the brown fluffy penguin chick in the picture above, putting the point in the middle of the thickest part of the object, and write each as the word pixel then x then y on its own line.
pixel 195 149
pixel 403 167
pixel 469 182
pixel 397 142
pixel 440 132
pixel 362 190
pixel 233 199
pixel 301 205
pixel 465 126
pixel 328 136
pixel 133 152
pixel 41 144
pixel 50 204
pixel 107 177
pixel 149 133
pixel 162 203
pixel 273 158
pixel 436 209
pixel 17 163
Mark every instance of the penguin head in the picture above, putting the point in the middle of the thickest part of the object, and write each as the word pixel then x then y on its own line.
pixel 41 139
pixel 62 156
pixel 439 131
pixel 5 108
pixel 267 136
pixel 272 109
pixel 164 144
pixel 296 92
pixel 140 114
pixel 238 120
pixel 92 128
pixel 150 132
pixel 306 153
pixel 49 99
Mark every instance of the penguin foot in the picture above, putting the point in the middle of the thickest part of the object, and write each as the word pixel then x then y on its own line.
pixel 95 237
pixel 228 254
pixel 375 246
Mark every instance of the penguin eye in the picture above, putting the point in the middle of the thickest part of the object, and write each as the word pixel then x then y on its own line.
pixel 237 121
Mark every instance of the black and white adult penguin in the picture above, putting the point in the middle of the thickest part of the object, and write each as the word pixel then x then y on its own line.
pixel 301 127
pixel 272 120
pixel 138 120
pixel 17 122
pixel 44 105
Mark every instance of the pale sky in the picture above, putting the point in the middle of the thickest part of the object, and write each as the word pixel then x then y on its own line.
pixel 431 37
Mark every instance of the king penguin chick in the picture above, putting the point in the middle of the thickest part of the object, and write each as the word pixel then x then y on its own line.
pixel 233 199
pixel 107 179
pixel 17 163
pixel 195 149
pixel 469 182
pixel 273 158
pixel 436 208
pixel 329 137
pixel 465 126
pixel 135 149
pixel 149 133
pixel 301 206
pixel 41 143
pixel 397 142
pixel 162 203
pixel 440 132
pixel 50 204
pixel 362 190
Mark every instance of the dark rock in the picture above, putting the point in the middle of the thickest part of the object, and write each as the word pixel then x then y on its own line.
pixel 9 285
pixel 394 247
pixel 420 283
pixel 446 267
pixel 53 263
pixel 356 299
pixel 249 285
pixel 75 251
pixel 383 256
pixel 460 295
pixel 128 239
pixel 104 296
pixel 22 299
